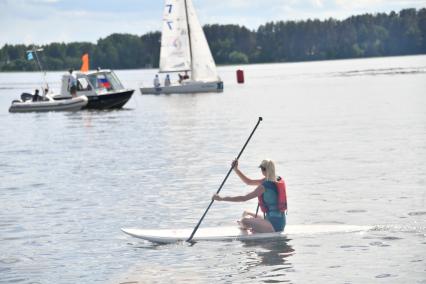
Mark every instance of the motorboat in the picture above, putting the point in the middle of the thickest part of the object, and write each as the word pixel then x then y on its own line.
pixel 184 48
pixel 102 88
pixel 45 102
pixel 35 103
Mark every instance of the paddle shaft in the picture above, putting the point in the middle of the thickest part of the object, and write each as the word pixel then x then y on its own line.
pixel 223 182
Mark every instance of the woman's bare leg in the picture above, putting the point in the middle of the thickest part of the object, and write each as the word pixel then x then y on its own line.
pixel 257 225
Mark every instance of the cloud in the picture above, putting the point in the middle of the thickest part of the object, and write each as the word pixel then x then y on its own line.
pixel 318 3
pixel 45 21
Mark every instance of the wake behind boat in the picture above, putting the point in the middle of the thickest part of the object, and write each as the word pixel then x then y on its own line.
pixel 184 48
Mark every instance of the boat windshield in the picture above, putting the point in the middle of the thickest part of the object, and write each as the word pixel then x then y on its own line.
pixel 105 81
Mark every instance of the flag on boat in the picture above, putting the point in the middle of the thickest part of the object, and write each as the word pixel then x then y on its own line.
pixel 85 63
pixel 103 83
pixel 30 55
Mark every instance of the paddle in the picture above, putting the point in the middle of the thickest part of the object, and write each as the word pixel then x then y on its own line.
pixel 223 182
pixel 257 210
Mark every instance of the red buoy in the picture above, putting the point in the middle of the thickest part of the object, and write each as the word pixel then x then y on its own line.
pixel 240 76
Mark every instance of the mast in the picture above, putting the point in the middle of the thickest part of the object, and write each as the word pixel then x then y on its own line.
pixel 39 64
pixel 189 36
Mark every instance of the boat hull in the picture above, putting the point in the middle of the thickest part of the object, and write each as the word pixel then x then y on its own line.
pixel 72 104
pixel 114 100
pixel 110 100
pixel 187 88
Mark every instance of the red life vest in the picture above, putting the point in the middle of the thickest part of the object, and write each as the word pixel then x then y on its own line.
pixel 282 197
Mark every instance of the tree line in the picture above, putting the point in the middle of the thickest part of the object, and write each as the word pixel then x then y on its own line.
pixel 368 35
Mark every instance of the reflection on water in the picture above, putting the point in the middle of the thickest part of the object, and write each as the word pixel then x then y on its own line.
pixel 275 255
pixel 263 261
pixel 272 252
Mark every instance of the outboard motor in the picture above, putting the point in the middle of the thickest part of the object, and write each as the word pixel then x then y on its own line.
pixel 26 97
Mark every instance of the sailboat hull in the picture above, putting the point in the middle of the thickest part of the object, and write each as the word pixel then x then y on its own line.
pixel 185 88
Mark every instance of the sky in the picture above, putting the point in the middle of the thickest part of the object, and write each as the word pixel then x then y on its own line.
pixel 46 21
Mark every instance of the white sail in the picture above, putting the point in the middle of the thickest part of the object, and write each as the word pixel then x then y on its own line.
pixel 175 53
pixel 203 65
pixel 184 48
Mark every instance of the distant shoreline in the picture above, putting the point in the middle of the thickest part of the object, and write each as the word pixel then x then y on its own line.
pixel 362 36
pixel 236 65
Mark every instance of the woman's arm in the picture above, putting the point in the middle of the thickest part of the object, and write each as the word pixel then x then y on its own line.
pixel 243 177
pixel 241 198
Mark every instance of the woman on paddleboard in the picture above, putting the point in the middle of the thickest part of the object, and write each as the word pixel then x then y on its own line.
pixel 270 192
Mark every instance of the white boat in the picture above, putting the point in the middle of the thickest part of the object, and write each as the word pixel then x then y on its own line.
pixel 47 103
pixel 184 48
pixel 102 88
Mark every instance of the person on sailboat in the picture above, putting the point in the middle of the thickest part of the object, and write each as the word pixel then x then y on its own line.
pixel 186 76
pixel 156 81
pixel 183 77
pixel 268 193
pixel 167 81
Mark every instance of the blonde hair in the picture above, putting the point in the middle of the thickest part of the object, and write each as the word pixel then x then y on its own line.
pixel 269 167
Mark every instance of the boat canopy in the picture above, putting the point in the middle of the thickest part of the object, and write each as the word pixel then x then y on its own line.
pixel 96 81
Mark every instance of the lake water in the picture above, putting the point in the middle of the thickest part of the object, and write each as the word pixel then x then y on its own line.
pixel 348 136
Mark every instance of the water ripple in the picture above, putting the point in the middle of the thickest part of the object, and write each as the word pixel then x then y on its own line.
pixel 350 147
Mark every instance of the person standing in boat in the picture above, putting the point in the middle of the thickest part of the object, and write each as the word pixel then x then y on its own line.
pixel 156 81
pixel 272 200
pixel 72 83
pixel 167 81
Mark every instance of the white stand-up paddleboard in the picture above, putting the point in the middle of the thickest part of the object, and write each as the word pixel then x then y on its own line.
pixel 235 233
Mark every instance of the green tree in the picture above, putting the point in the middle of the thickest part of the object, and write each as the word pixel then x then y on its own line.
pixel 381 34
pixel 238 57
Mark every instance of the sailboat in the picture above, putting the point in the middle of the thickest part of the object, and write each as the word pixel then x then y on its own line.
pixel 184 48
